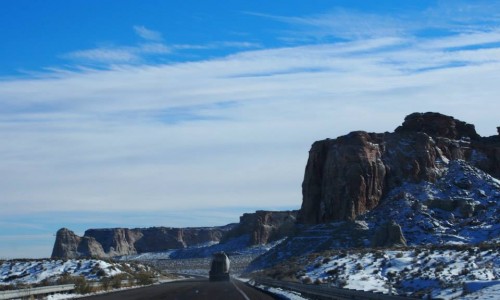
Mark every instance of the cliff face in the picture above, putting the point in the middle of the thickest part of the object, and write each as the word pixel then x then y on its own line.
pixel 348 176
pixel 264 226
pixel 109 242
pixel 69 245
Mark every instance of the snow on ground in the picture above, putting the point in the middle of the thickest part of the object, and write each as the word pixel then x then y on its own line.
pixel 442 273
pixel 34 271
pixel 235 246
pixel 483 290
pixel 460 208
pixel 283 294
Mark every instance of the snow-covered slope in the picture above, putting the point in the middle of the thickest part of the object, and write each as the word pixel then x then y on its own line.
pixel 233 247
pixel 452 228
pixel 462 207
pixel 439 272
pixel 35 271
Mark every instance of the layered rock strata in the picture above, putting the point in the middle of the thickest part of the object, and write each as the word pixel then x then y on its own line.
pixel 264 226
pixel 348 176
pixel 109 242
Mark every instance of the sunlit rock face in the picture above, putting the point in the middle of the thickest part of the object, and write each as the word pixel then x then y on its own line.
pixel 110 242
pixel 261 227
pixel 348 176
pixel 70 245
pixel 264 226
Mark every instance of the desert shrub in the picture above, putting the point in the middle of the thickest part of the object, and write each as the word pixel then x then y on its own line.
pixel 65 278
pixel 391 275
pixel 341 283
pixel 464 271
pixel 116 281
pixel 326 260
pixel 333 271
pixel 81 285
pixel 101 273
pixel 399 255
pixel 378 254
pixel 105 283
pixel 306 280
pixel 143 278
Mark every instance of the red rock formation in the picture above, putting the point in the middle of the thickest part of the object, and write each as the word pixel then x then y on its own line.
pixel 69 245
pixel 109 242
pixel 348 176
pixel 344 177
pixel 264 226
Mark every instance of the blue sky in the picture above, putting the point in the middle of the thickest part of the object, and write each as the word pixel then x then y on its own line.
pixel 189 113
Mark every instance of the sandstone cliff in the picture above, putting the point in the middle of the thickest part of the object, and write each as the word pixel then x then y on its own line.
pixel 348 176
pixel 264 226
pixel 109 242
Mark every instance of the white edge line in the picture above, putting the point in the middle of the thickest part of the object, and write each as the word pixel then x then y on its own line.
pixel 239 290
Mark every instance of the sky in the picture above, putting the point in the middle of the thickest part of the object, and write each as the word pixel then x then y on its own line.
pixel 191 113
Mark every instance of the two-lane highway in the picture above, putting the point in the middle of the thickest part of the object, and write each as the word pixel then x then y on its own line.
pixel 193 289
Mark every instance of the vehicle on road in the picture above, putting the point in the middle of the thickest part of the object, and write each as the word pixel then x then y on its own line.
pixel 219 269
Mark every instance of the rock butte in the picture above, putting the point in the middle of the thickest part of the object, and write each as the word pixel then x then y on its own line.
pixel 348 176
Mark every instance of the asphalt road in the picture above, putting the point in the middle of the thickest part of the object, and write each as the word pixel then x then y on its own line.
pixel 192 289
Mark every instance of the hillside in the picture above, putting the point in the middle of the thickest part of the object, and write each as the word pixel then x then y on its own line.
pixel 431 183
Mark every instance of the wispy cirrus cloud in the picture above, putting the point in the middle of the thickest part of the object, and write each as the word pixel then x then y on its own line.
pixel 445 18
pixel 148 34
pixel 107 55
pixel 125 54
pixel 152 47
pixel 102 139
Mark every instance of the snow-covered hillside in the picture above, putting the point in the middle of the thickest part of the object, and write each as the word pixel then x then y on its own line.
pixel 35 271
pixel 438 272
pixel 462 207
pixel 452 227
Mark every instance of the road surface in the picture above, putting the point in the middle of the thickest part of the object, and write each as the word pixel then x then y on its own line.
pixel 192 289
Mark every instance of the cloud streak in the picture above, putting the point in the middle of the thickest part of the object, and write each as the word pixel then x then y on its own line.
pixel 148 34
pixel 142 53
pixel 236 128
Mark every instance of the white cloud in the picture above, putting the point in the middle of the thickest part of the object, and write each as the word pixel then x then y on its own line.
pixel 154 48
pixel 106 55
pixel 222 132
pixel 148 34
pixel 111 55
pixel 444 17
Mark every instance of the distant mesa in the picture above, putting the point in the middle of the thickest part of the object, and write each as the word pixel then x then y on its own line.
pixel 262 227
pixel 110 242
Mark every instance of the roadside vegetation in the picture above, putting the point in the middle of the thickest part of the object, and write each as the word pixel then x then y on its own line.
pixel 88 275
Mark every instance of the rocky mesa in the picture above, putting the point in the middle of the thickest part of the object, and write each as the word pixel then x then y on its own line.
pixel 348 176
pixel 262 227
pixel 109 242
